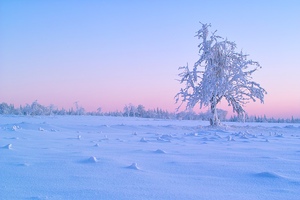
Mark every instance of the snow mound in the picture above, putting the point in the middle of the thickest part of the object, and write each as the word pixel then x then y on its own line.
pixel 9 146
pixel 229 138
pixel 279 135
pixel 289 126
pixel 244 137
pixel 15 127
pixel 163 139
pixel 191 134
pixel 104 139
pixel 133 166
pixel 13 138
pixel 159 151
pixel 24 165
pixel 270 175
pixel 143 140
pixel 92 159
pixel 39 198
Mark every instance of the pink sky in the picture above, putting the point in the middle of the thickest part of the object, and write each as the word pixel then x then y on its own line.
pixel 104 54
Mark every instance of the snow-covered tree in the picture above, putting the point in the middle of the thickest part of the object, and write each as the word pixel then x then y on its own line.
pixel 99 111
pixel 133 110
pixel 126 110
pixel 37 109
pixel 51 109
pixel 79 109
pixel 141 110
pixel 220 72
pixel 5 109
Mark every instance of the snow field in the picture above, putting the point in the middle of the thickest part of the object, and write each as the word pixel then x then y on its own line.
pixel 85 157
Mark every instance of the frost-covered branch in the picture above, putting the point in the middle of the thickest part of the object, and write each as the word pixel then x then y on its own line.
pixel 219 73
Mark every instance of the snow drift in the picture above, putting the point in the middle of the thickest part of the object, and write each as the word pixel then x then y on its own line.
pixel 85 157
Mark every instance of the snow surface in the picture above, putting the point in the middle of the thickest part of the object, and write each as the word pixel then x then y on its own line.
pixel 86 157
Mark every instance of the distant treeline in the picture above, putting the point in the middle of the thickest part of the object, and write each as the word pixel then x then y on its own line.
pixel 130 110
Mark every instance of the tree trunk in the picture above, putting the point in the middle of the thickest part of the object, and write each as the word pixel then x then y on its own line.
pixel 214 120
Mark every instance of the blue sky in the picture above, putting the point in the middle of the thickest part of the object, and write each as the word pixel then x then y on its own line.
pixel 111 53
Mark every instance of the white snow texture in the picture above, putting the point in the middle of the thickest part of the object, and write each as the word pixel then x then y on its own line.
pixel 137 158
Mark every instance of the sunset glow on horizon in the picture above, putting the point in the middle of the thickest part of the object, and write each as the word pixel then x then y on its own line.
pixel 111 53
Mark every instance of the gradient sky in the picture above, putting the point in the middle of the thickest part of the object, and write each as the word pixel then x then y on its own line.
pixel 111 53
